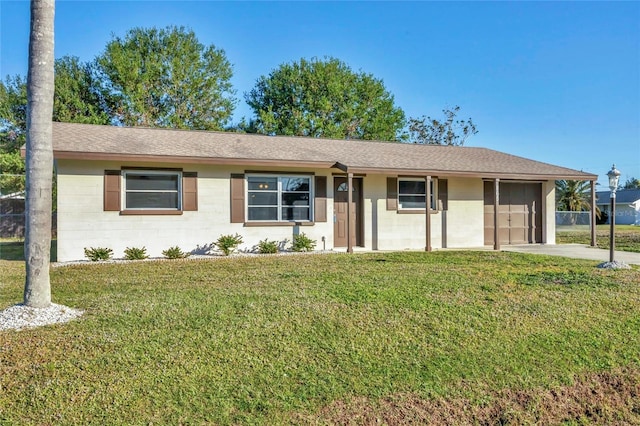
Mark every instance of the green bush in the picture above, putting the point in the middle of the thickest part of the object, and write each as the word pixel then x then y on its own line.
pixel 228 243
pixel 174 253
pixel 135 253
pixel 267 247
pixel 95 254
pixel 302 243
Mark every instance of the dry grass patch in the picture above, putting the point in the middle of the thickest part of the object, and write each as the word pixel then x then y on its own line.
pixel 601 398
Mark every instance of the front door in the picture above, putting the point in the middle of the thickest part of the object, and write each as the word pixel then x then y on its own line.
pixel 340 220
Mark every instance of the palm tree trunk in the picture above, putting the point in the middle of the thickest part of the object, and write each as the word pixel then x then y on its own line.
pixel 39 158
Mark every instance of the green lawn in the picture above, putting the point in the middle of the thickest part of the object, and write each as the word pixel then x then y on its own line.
pixel 13 249
pixel 627 237
pixel 468 337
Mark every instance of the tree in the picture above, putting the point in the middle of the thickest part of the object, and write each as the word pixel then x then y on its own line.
pixel 39 159
pixel 574 196
pixel 13 113
pixel 429 131
pixel 78 95
pixel 631 183
pixel 324 98
pixel 77 99
pixel 13 128
pixel 167 78
pixel 11 173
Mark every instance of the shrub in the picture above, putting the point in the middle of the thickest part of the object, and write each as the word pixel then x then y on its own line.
pixel 174 253
pixel 302 243
pixel 135 253
pixel 267 247
pixel 228 243
pixel 95 254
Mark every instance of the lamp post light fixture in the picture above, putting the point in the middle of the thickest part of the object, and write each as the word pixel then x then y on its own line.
pixel 614 176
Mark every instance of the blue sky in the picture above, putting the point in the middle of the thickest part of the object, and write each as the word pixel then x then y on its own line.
pixel 557 82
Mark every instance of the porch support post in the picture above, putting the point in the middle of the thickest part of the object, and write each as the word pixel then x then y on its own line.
pixel 593 214
pixel 350 224
pixel 496 218
pixel 427 208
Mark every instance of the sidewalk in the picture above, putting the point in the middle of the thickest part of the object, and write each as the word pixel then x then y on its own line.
pixel 576 251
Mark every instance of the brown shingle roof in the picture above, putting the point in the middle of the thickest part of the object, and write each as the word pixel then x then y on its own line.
pixel 85 141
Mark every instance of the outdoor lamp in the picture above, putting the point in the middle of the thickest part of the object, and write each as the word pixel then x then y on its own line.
pixel 613 175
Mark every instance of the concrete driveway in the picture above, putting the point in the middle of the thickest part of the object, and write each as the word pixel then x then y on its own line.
pixel 576 251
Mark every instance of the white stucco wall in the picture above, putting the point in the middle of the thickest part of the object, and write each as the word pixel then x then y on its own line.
pixel 463 220
pixel 83 223
pixel 549 212
pixel 465 216
pixel 390 230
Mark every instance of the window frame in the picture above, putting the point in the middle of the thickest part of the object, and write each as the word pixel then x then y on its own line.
pixel 433 200
pixel 279 197
pixel 158 172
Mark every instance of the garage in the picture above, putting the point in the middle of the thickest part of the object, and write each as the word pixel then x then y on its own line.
pixel 519 213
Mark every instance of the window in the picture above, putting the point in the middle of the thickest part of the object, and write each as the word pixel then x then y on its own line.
pixel 279 198
pixel 152 190
pixel 412 194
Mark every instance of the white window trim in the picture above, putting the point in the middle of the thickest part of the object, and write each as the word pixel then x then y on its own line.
pixel 125 173
pixel 434 195
pixel 279 192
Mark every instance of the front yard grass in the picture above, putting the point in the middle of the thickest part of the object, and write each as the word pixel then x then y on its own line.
pixel 13 249
pixel 627 237
pixel 443 337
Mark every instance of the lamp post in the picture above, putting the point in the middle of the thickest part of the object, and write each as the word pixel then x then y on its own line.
pixel 613 175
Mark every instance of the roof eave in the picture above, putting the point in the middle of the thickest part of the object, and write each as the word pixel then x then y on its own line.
pixel 469 174
pixel 93 156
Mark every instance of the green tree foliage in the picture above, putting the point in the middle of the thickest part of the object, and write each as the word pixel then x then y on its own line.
pixel 11 172
pixel 430 131
pixel 13 127
pixel 13 113
pixel 631 183
pixel 573 195
pixel 324 98
pixel 167 78
pixel 78 98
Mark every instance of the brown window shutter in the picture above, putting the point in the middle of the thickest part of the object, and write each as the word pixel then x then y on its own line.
pixel 112 194
pixel 237 198
pixel 392 193
pixel 189 191
pixel 442 194
pixel 320 205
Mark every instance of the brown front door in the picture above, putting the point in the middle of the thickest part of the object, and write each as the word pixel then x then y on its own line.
pixel 519 213
pixel 340 201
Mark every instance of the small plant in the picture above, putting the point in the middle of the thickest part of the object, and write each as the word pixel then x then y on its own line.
pixel 95 254
pixel 135 253
pixel 228 243
pixel 174 253
pixel 267 247
pixel 302 243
